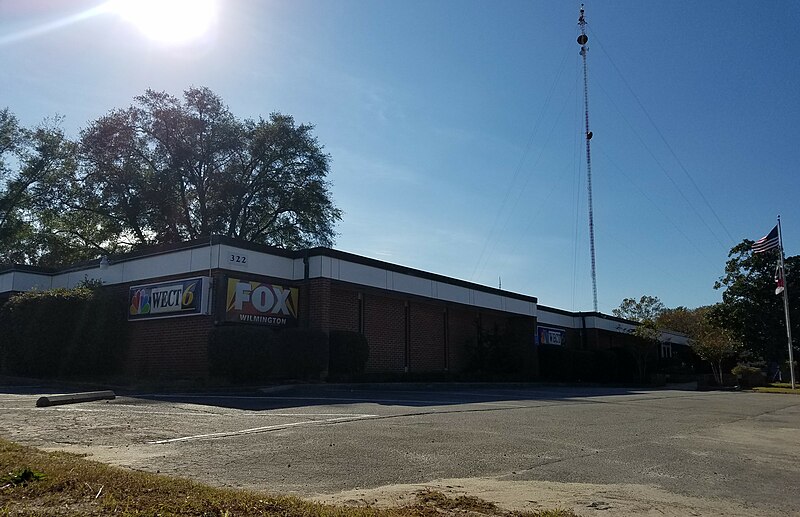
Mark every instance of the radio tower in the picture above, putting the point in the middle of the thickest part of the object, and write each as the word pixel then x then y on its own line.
pixel 582 40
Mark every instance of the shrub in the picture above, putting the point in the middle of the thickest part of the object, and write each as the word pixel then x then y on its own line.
pixel 301 353
pixel 557 363
pixel 349 352
pixel 242 354
pixel 741 370
pixel 496 353
pixel 76 332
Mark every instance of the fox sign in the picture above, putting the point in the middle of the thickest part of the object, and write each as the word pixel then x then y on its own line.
pixel 260 303
pixel 167 299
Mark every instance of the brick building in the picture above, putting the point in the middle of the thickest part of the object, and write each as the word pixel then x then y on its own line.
pixel 414 321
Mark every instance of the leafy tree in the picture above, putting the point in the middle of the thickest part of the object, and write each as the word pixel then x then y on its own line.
pixel 163 170
pixel 166 170
pixel 647 312
pixel 33 166
pixel 712 342
pixel 648 334
pixel 680 319
pixel 750 310
pixel 647 308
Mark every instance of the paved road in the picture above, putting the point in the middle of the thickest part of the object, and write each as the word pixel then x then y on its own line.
pixel 739 448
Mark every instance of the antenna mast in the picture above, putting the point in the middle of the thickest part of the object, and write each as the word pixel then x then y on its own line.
pixel 582 40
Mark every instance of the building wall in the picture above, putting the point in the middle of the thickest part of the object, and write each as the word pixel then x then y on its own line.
pixel 385 330
pixel 413 320
pixel 462 329
pixel 169 348
pixel 344 308
pixel 427 337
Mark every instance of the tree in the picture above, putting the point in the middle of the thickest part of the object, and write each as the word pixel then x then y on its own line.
pixel 163 170
pixel 647 312
pixel 34 164
pixel 712 342
pixel 166 170
pixel 648 334
pixel 648 308
pixel 750 310
pixel 680 319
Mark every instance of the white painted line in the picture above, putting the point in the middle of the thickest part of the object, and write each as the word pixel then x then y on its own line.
pixel 188 412
pixel 227 434
pixel 404 402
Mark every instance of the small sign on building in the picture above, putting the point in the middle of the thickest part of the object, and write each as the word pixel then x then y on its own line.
pixel 550 336
pixel 185 297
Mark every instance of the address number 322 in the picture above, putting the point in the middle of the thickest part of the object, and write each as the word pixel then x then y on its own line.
pixel 238 259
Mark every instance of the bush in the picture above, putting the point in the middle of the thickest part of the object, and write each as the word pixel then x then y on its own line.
pixel 743 369
pixel 242 354
pixel 301 353
pixel 557 363
pixel 349 352
pixel 76 332
pixel 749 375
pixel 496 353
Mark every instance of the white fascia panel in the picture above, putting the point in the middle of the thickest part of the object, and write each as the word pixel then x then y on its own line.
pixel 519 306
pixel 203 258
pixel 487 300
pixel 22 281
pixel 546 317
pixel 452 293
pixel 6 281
pixel 315 267
pixel 606 324
pixel 361 274
pixel 257 263
pixel 176 263
pixel 298 269
pixel 411 284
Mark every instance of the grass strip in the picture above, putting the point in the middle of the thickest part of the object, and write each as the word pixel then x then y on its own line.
pixel 35 482
pixel 770 389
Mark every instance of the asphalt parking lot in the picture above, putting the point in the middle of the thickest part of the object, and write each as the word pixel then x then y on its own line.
pixel 726 453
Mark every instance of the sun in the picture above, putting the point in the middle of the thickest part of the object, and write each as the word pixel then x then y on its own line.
pixel 168 21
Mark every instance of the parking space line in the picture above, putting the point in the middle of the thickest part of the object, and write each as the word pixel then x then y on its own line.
pixel 321 398
pixel 227 434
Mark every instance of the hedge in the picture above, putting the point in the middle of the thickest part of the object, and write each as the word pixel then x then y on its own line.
pixel 246 354
pixel 349 352
pixel 68 333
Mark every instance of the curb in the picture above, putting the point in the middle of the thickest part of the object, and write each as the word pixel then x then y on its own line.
pixel 73 398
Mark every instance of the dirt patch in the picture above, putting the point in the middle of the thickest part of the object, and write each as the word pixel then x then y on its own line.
pixel 582 498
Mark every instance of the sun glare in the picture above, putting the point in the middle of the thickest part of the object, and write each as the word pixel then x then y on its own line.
pixel 168 21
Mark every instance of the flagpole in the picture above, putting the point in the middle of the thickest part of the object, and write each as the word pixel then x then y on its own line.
pixel 786 303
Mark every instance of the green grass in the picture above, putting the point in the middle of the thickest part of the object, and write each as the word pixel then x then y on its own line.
pixel 778 387
pixel 41 483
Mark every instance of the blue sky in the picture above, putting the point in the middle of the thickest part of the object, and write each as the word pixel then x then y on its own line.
pixel 455 127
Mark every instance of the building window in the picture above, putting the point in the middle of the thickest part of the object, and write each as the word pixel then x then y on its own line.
pixel 666 350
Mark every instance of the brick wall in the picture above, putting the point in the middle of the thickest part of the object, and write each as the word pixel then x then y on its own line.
pixel 461 329
pixel 385 329
pixel 427 338
pixel 404 333
pixel 170 348
pixel 344 305
pixel 315 304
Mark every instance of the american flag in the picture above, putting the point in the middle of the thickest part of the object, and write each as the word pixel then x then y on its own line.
pixel 767 242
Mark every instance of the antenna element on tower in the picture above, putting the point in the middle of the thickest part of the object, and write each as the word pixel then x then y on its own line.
pixel 582 40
